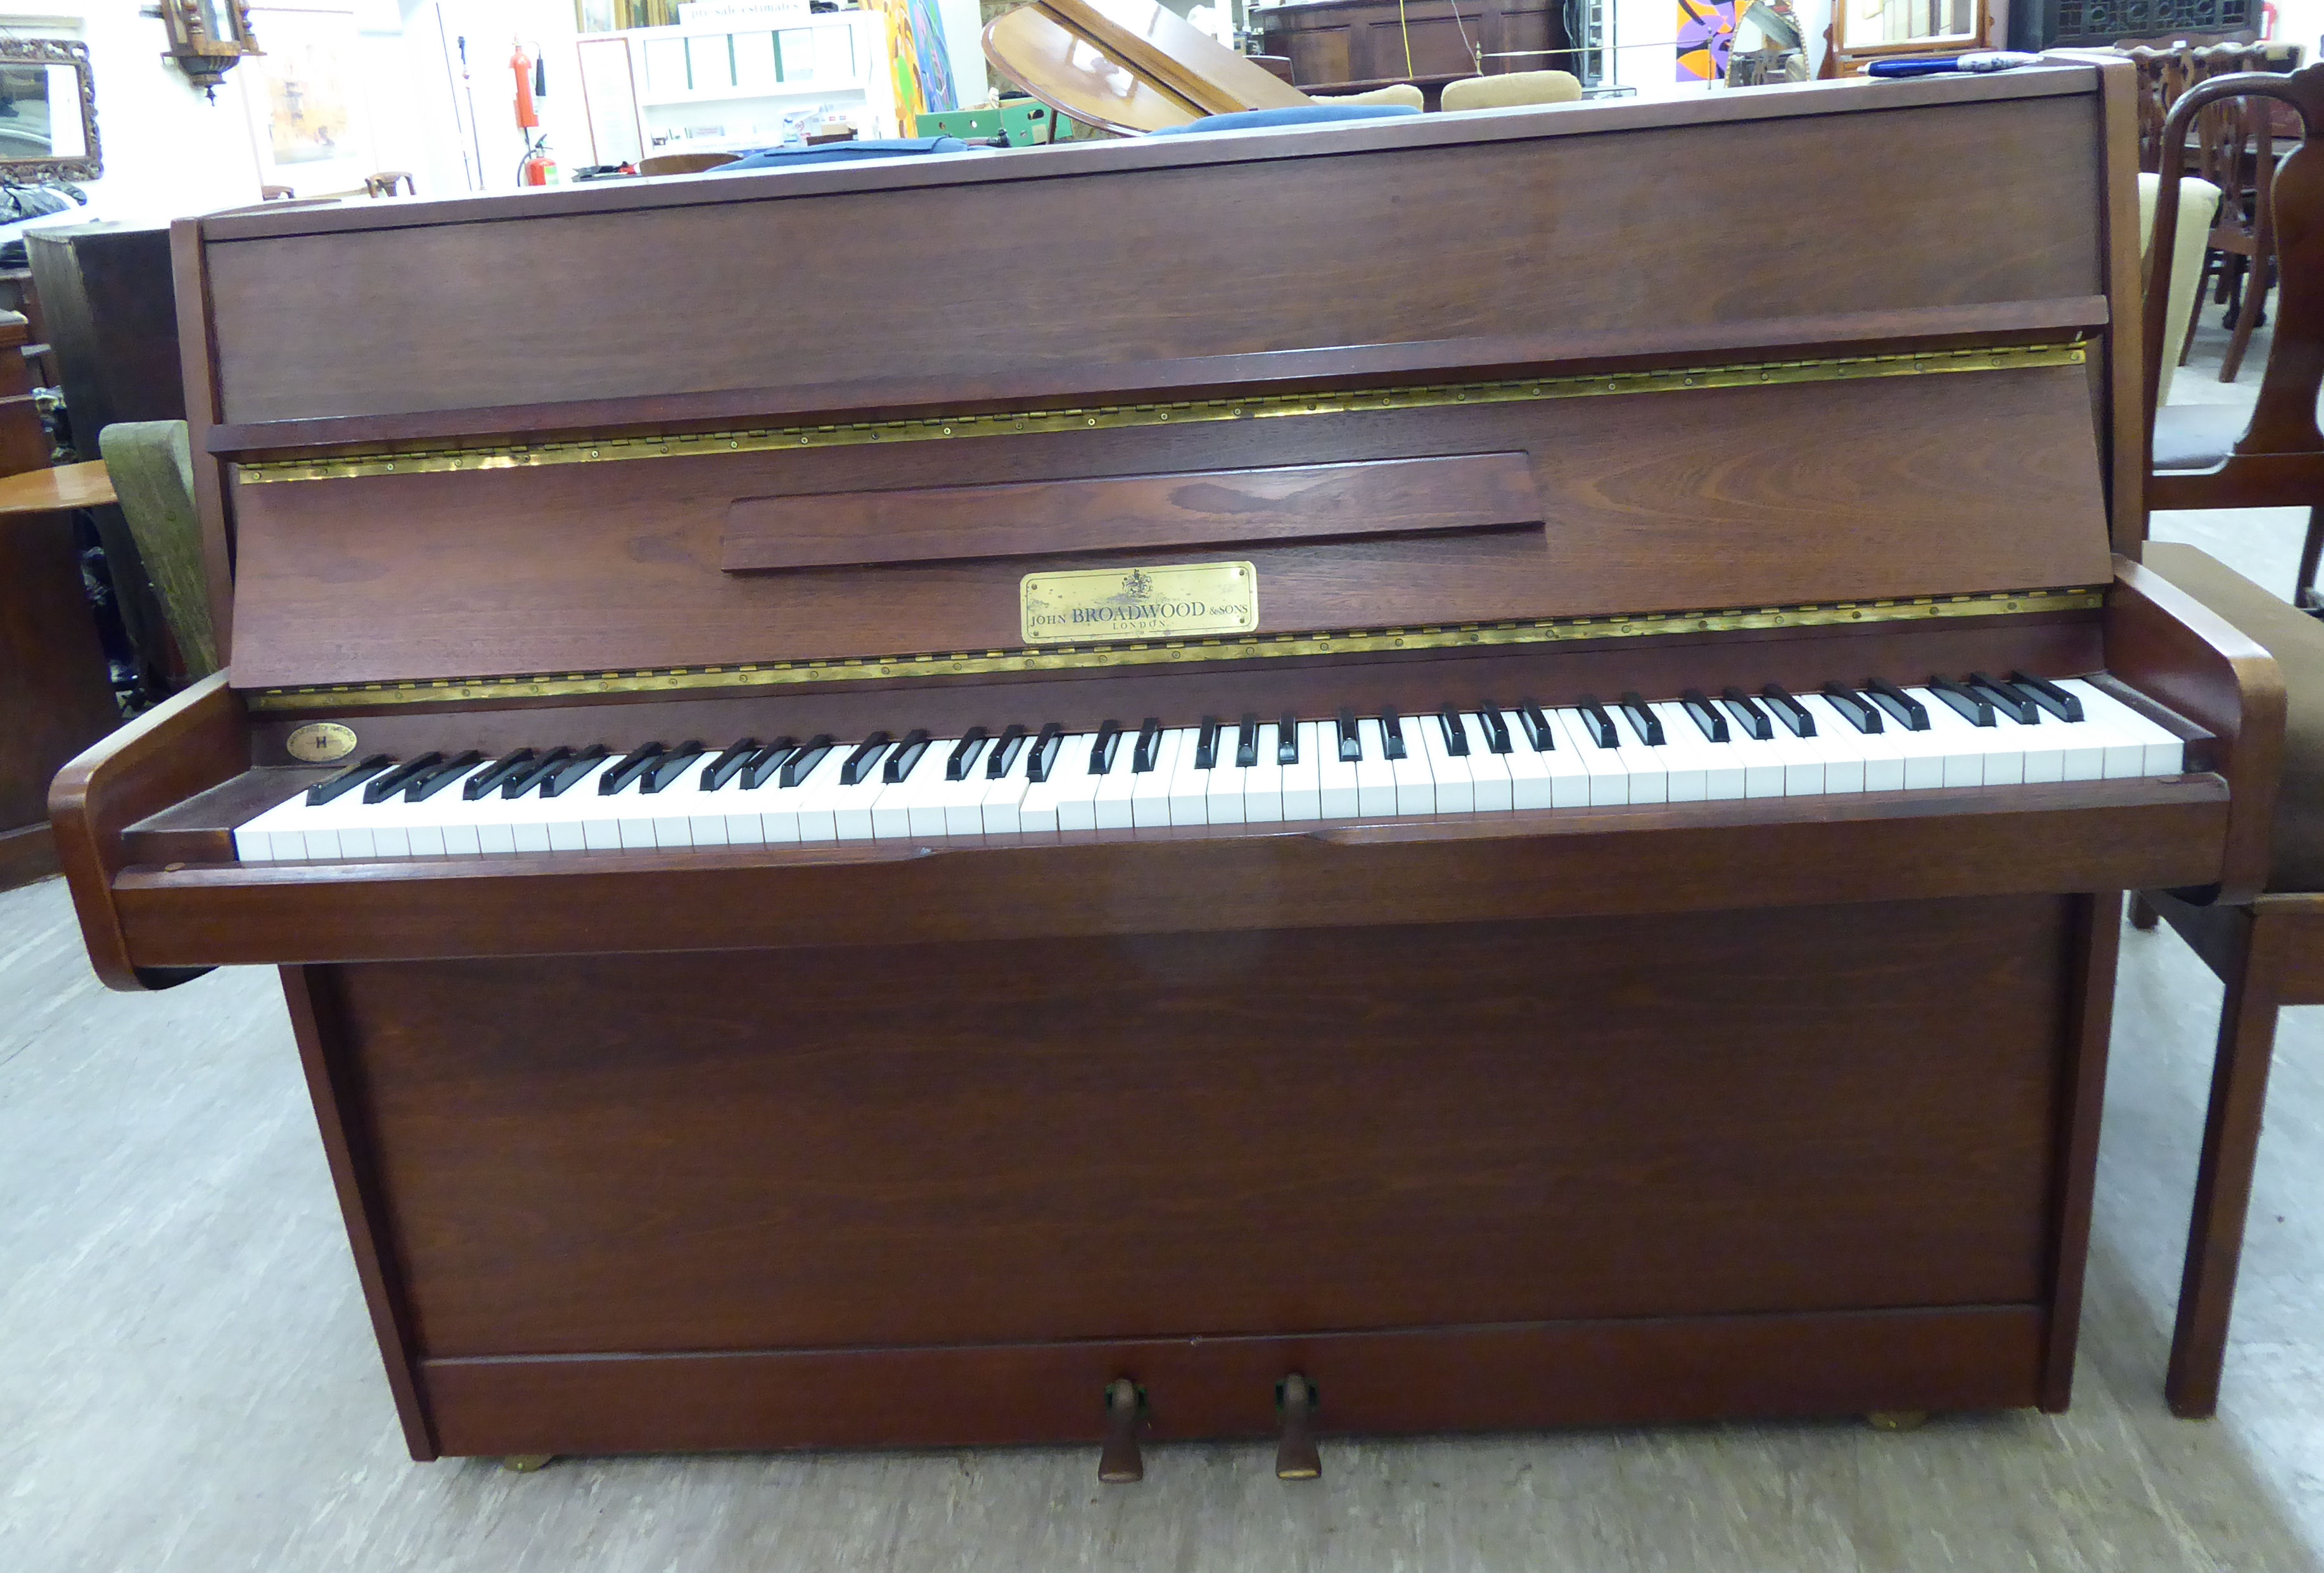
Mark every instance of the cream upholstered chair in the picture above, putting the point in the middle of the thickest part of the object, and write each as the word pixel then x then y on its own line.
pixel 1512 88
pixel 2199 203
pixel 1403 93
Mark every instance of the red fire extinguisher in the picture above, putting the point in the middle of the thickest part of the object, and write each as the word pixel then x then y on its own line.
pixel 538 167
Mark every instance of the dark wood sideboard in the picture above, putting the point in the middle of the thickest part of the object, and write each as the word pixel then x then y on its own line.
pixel 1356 44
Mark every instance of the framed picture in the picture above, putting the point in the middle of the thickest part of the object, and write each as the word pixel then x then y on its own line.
pixel 305 97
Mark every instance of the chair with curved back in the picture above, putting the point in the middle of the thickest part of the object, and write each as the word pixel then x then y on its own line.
pixel 2269 953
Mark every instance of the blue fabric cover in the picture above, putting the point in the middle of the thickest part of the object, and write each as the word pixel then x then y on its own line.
pixel 791 155
pixel 1296 114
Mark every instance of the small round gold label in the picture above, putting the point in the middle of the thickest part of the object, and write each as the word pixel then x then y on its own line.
pixel 318 742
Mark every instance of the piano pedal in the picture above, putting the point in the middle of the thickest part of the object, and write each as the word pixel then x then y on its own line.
pixel 1296 1457
pixel 526 1463
pixel 1897 1419
pixel 1120 1464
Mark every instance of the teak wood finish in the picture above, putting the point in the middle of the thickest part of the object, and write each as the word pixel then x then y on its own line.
pixel 1768 1107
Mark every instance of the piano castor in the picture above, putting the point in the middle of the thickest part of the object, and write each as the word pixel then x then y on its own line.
pixel 1514 823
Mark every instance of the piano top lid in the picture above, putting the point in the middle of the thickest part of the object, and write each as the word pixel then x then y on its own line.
pixel 1202 323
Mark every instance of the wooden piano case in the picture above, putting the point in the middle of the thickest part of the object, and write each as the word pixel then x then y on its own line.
pixel 1589 1115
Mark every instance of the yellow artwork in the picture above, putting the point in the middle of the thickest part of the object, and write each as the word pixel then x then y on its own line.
pixel 308 119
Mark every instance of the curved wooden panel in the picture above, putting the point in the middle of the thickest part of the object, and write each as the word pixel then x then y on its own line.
pixel 1033 50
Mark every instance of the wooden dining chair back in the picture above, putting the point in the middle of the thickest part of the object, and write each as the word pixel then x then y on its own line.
pixel 2267 947
pixel 2162 79
pixel 2207 455
pixel 2235 148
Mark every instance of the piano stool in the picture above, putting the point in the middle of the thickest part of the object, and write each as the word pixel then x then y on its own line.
pixel 2269 953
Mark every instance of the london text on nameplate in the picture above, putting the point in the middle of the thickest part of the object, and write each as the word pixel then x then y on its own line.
pixel 1139 604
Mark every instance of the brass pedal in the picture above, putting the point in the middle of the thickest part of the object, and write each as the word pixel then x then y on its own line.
pixel 1120 1464
pixel 1296 1457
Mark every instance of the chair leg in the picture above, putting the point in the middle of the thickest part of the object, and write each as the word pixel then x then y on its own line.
pixel 2215 1235
pixel 2254 296
pixel 2195 312
pixel 2142 914
pixel 2304 592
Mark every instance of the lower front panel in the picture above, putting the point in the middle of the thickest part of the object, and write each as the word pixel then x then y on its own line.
pixel 1497 1378
pixel 1785 1162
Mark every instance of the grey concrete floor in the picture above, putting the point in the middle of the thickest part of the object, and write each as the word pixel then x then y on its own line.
pixel 187 1382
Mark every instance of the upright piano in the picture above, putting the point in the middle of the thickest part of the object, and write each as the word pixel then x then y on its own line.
pixel 1372 778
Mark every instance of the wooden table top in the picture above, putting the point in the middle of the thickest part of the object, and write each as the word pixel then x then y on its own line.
pixel 65 487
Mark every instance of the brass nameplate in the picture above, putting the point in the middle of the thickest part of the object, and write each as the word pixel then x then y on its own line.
pixel 319 742
pixel 1176 601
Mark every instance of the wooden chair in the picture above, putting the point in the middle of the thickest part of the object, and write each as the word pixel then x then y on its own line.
pixel 2206 455
pixel 2235 148
pixel 2268 951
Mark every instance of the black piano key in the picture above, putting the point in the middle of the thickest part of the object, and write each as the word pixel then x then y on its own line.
pixel 387 784
pixel 1392 734
pixel 1247 740
pixel 965 753
pixel 805 758
pixel 1860 712
pixel 866 759
pixel 1286 739
pixel 670 765
pixel 1788 710
pixel 429 783
pixel 2065 706
pixel 348 779
pixel 1010 743
pixel 1643 721
pixel 760 768
pixel 1351 741
pixel 1698 707
pixel 1748 715
pixel 1456 736
pixel 1496 728
pixel 728 765
pixel 1047 743
pixel 1538 731
pixel 1206 744
pixel 634 764
pixel 1599 725
pixel 906 755
pixel 1107 743
pixel 1908 710
pixel 505 769
pixel 2007 698
pixel 573 771
pixel 1144 757
pixel 1974 707
pixel 536 774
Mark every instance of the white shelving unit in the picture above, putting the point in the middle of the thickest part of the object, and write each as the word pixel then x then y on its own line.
pixel 654 90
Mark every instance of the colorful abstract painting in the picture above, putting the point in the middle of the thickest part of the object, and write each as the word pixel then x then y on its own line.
pixel 1706 38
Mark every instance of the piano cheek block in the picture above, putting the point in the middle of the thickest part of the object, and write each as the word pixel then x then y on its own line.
pixel 1187 508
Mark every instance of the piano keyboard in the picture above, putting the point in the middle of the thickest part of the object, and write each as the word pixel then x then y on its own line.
pixel 1021 779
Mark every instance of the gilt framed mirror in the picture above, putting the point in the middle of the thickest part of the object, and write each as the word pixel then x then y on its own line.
pixel 1868 29
pixel 48 112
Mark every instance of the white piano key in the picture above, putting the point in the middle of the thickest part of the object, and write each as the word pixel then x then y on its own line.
pixel 273 836
pixel 999 807
pixel 1375 777
pixel 1552 778
pixel 1610 773
pixel 1190 786
pixel 1222 791
pixel 1833 743
pixel 1110 803
pixel 1303 779
pixel 1990 754
pixel 2159 751
pixel 1077 785
pixel 1036 811
pixel 1454 774
pixel 1688 756
pixel 1645 765
pixel 1340 794
pixel 1415 781
pixel 891 811
pixel 1261 797
pixel 1150 792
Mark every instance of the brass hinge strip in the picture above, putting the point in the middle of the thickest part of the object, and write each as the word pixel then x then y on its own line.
pixel 585 451
pixel 1253 647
